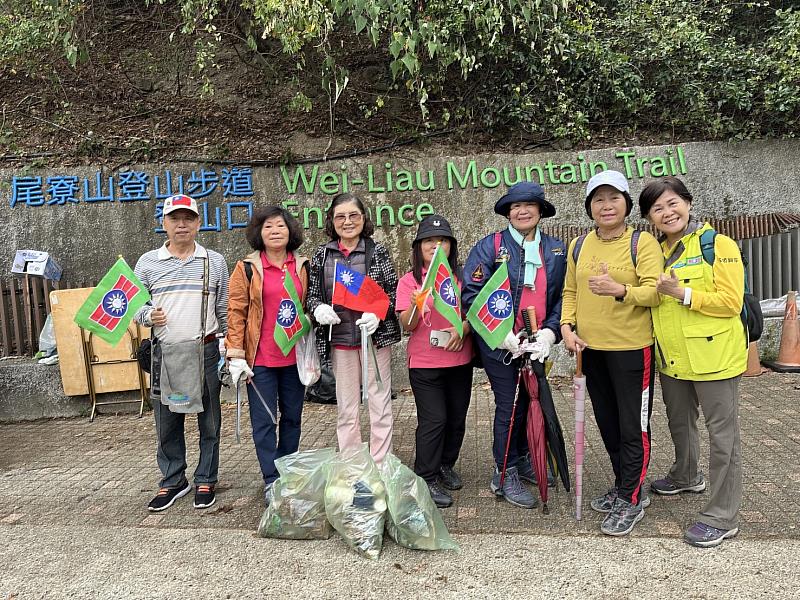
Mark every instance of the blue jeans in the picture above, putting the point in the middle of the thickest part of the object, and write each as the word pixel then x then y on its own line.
pixel 171 454
pixel 280 389
pixel 503 379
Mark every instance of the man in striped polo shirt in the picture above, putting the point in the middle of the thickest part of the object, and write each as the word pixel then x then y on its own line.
pixel 174 276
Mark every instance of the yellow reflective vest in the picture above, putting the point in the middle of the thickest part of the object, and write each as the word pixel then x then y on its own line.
pixel 705 341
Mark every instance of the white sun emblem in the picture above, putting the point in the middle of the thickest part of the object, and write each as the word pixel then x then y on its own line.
pixel 115 303
pixel 286 312
pixel 500 304
pixel 448 292
pixel 347 278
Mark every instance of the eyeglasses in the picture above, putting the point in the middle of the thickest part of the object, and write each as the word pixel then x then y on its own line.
pixel 354 217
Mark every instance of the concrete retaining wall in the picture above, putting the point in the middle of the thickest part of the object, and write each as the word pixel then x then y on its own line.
pixel 65 217
pixel 85 236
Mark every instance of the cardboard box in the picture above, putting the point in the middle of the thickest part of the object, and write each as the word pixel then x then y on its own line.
pixel 34 262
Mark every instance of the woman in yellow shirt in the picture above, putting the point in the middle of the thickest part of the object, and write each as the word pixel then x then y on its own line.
pixel 701 353
pixel 605 313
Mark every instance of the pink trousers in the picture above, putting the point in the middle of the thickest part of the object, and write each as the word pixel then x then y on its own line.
pixel 347 370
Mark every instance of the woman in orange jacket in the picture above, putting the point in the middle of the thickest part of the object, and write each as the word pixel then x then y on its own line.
pixel 256 291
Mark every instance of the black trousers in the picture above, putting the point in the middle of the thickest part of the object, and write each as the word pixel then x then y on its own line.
pixel 442 397
pixel 620 384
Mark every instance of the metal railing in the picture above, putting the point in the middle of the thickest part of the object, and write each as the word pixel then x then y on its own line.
pixel 773 264
pixel 24 306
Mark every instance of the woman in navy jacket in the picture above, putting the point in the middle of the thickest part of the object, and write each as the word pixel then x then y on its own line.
pixel 536 268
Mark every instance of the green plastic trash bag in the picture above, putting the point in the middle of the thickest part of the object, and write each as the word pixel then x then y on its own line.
pixel 297 510
pixel 355 500
pixel 413 521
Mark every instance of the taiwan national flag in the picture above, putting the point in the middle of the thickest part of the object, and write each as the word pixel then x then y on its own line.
pixel 110 307
pixel 359 292
pixel 291 322
pixel 446 293
pixel 492 313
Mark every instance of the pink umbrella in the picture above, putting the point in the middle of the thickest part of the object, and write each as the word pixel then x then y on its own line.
pixel 579 389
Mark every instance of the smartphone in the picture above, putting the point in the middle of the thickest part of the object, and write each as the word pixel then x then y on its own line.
pixel 439 339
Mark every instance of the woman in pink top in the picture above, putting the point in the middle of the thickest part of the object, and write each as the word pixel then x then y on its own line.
pixel 439 366
pixel 256 291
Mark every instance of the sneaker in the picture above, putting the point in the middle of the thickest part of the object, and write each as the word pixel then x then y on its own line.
pixel 622 518
pixel 526 472
pixel 166 497
pixel 667 487
pixel 513 490
pixel 204 495
pixel 449 479
pixel 604 503
pixel 439 496
pixel 705 536
pixel 268 494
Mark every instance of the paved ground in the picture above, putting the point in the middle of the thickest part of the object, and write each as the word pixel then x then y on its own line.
pixel 73 521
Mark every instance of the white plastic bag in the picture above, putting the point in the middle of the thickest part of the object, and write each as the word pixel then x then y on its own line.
pixel 355 500
pixel 47 339
pixel 297 508
pixel 307 359
pixel 413 520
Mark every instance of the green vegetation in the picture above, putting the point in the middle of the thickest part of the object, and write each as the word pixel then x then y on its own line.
pixel 547 68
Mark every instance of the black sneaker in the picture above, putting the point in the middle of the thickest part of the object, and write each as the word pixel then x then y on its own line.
pixel 667 487
pixel 440 497
pixel 166 497
pixel 204 495
pixel 449 479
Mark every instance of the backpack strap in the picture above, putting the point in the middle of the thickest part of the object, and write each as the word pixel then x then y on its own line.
pixel 635 246
pixel 576 249
pixel 707 245
pixel 498 240
pixel 248 270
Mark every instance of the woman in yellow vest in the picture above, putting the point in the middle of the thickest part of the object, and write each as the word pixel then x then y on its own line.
pixel 701 352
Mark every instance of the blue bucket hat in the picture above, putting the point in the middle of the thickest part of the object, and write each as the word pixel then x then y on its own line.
pixel 524 191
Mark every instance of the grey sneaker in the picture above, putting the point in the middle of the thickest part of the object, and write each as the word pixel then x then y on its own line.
pixel 604 503
pixel 513 490
pixel 705 536
pixel 526 472
pixel 667 487
pixel 622 518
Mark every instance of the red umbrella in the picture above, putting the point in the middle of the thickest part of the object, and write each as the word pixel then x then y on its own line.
pixel 537 437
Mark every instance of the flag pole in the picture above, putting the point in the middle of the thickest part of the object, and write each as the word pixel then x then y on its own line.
pixel 425 282
pixel 330 327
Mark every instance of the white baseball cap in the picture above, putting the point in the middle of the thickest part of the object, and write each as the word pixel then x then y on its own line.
pixel 178 202
pixel 613 178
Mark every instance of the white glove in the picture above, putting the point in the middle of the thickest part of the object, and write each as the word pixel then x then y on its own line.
pixel 369 321
pixel 238 367
pixel 511 343
pixel 325 315
pixel 545 339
